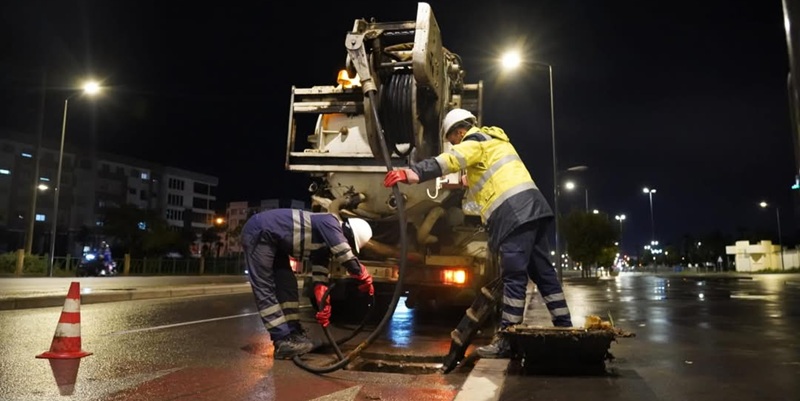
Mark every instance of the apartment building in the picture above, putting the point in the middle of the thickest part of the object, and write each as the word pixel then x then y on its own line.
pixel 90 183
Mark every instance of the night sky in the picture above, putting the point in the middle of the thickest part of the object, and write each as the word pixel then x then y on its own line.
pixel 687 97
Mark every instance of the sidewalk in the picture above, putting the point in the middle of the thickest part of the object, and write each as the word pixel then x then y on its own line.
pixel 42 292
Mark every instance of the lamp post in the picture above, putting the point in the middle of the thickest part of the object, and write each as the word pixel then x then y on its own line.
pixel 765 205
pixel 620 218
pixel 650 192
pixel 512 60
pixel 89 88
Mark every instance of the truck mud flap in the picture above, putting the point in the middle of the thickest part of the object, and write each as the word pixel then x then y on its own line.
pixel 484 305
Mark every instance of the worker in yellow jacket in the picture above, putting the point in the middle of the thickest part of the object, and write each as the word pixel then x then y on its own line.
pixel 516 212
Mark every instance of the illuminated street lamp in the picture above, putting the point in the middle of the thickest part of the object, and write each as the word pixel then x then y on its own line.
pixel 620 218
pixel 90 88
pixel 569 186
pixel 765 205
pixel 650 192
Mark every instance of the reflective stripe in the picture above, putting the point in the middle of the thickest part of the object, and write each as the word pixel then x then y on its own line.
pixel 507 194
pixel 272 309
pixel 493 169
pixel 297 239
pixel 512 318
pixel 72 305
pixel 68 330
pixel 275 322
pixel 443 164
pixel 306 233
pixel 554 297
pixel 559 312
pixel 462 162
pixel 340 248
pixel 345 257
pixel 319 279
pixel 292 316
pixel 289 305
pixel 319 269
pixel 517 303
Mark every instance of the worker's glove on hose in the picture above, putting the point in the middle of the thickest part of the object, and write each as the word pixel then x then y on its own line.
pixel 404 175
pixel 324 314
pixel 365 280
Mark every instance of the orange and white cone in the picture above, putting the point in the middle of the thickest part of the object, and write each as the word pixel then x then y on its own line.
pixel 65 350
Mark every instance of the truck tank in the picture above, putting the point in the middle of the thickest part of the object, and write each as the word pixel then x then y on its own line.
pixel 333 139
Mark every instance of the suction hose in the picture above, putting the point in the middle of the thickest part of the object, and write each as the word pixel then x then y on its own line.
pixel 398 289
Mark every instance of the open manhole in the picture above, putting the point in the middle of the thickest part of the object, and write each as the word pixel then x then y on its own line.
pixel 394 363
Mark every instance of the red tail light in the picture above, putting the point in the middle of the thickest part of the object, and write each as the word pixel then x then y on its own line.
pixel 454 276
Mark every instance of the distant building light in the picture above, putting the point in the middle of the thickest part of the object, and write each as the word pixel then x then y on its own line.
pixel 98 223
pixel 145 176
pixel 44 179
pixel 28 155
pixel 142 225
pixel 40 217
pixel 4 171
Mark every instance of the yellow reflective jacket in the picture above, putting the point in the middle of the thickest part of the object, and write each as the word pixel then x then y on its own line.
pixel 494 170
pixel 497 178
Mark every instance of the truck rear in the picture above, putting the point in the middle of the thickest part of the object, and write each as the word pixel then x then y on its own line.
pixel 333 139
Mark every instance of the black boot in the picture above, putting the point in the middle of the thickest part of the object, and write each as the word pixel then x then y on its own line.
pixel 499 348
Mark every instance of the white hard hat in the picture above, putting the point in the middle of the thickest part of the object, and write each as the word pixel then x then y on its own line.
pixel 454 116
pixel 361 231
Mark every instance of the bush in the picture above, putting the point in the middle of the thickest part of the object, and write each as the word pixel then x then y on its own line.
pixel 33 264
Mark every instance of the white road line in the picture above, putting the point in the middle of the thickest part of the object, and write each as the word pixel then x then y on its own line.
pixel 166 326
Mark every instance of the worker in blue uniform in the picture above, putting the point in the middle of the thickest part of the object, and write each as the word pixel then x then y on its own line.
pixel 516 212
pixel 269 238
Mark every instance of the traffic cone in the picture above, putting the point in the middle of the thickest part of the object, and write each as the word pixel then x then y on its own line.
pixel 65 350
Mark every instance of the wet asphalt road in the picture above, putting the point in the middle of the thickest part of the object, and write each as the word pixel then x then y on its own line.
pixel 209 348
pixel 715 339
pixel 696 339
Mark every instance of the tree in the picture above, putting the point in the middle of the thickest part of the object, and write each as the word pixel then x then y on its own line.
pixel 140 231
pixel 589 238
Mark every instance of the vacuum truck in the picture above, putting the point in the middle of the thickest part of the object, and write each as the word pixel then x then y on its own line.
pixel 333 140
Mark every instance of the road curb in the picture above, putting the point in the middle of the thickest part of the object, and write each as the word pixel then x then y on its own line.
pixel 485 381
pixel 47 301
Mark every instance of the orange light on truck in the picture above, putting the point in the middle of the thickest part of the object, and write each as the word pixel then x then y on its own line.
pixel 454 276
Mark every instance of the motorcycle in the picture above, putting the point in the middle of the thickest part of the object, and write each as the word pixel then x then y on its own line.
pixel 93 264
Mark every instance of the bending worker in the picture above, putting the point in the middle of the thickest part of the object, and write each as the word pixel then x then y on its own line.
pixel 269 238
pixel 515 210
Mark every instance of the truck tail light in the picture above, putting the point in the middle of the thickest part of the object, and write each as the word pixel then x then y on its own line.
pixel 454 276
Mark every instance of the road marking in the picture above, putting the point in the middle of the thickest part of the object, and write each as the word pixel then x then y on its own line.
pixel 167 326
pixel 342 395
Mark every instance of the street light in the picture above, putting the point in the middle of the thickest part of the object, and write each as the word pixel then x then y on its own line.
pixel 569 186
pixel 89 88
pixel 651 191
pixel 512 60
pixel 765 205
pixel 620 218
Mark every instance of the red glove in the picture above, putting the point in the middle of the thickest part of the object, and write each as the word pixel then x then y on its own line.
pixel 324 314
pixel 366 281
pixel 395 176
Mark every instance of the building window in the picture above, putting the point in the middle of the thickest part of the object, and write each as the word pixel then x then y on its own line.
pixel 132 191
pixel 200 188
pixel 175 200
pixel 177 184
pixel 40 217
pixel 143 195
pixel 200 203
pixel 144 176
pixel 26 155
pixel 4 171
